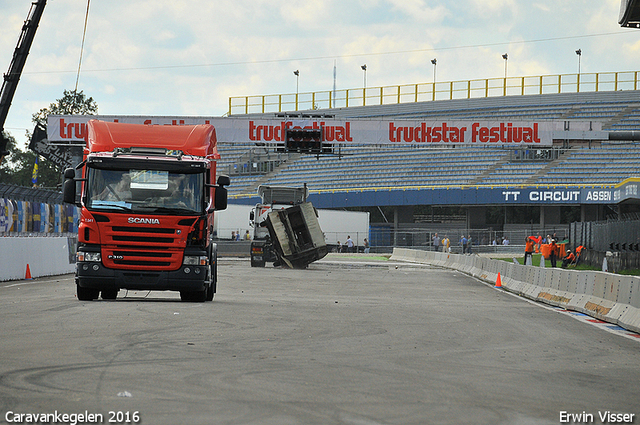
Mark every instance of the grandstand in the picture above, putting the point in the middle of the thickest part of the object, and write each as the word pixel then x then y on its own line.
pixel 406 176
pixel 596 164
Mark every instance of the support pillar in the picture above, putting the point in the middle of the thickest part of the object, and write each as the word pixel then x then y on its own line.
pixel 401 214
pixel 549 215
pixel 589 212
pixel 476 217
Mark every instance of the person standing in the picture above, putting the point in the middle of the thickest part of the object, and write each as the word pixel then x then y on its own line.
pixel 445 244
pixel 436 242
pixel 463 242
pixel 529 245
pixel 553 252
pixel 349 244
pixel 579 250
pixel 469 244
pixel 538 240
pixel 366 246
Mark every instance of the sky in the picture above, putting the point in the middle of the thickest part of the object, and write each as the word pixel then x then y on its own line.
pixel 186 58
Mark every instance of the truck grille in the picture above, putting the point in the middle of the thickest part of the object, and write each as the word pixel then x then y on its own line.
pixel 142 248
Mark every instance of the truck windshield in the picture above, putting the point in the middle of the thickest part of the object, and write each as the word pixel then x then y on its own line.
pixel 145 191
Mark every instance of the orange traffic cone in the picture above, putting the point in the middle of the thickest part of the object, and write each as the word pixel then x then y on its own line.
pixel 27 275
pixel 498 281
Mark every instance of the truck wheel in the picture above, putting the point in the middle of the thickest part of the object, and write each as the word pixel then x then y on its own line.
pixel 193 296
pixel 86 294
pixel 213 272
pixel 109 294
pixel 257 263
pixel 210 291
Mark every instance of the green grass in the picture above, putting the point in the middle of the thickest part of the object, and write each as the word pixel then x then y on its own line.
pixel 535 260
pixel 632 272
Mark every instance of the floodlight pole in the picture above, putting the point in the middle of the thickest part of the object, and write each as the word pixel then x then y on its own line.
pixel 506 59
pixel 434 61
pixel 364 85
pixel 297 74
pixel 579 53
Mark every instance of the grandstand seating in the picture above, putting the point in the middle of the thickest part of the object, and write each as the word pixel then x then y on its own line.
pixel 360 167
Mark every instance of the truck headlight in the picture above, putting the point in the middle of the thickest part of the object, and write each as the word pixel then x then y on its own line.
pixel 195 260
pixel 89 256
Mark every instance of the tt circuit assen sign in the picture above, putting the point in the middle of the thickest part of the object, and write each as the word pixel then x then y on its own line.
pixel 557 196
pixel 465 196
pixel 73 129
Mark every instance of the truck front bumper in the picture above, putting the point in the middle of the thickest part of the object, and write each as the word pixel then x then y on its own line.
pixel 186 278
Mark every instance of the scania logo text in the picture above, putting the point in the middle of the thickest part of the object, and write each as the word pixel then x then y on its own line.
pixel 141 220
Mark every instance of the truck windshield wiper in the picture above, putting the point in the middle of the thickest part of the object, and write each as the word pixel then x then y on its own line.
pixel 168 210
pixel 111 205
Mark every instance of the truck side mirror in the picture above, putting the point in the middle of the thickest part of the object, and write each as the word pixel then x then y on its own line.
pixel 220 198
pixel 224 181
pixel 69 188
pixel 252 215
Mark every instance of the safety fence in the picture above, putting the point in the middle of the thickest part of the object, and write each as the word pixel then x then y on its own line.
pixel 23 218
pixel 26 211
pixel 616 240
pixel 605 296
pixel 445 90
pixel 612 235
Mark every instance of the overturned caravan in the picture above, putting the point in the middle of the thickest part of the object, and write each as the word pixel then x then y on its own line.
pixel 296 235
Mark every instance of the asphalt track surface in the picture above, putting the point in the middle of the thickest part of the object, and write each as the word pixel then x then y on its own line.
pixel 346 341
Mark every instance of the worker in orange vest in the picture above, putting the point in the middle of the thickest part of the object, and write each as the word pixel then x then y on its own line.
pixel 553 253
pixel 579 250
pixel 568 259
pixel 528 248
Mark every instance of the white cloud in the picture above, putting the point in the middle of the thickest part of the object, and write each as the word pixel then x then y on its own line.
pixel 419 10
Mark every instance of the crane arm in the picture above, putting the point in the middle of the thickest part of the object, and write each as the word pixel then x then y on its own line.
pixel 12 77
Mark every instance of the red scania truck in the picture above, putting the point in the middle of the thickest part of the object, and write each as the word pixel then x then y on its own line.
pixel 147 197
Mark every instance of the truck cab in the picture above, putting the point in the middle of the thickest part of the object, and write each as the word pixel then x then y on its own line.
pixel 147 198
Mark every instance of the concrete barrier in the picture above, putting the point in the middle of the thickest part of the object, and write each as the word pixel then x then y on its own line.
pixel 605 296
pixel 46 256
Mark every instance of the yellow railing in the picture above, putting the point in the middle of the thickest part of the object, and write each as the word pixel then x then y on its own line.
pixel 510 86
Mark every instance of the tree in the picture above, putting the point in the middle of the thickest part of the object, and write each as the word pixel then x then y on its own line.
pixel 19 169
pixel 72 103
pixel 7 169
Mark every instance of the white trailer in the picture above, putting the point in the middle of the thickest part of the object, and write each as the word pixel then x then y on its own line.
pixel 337 225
